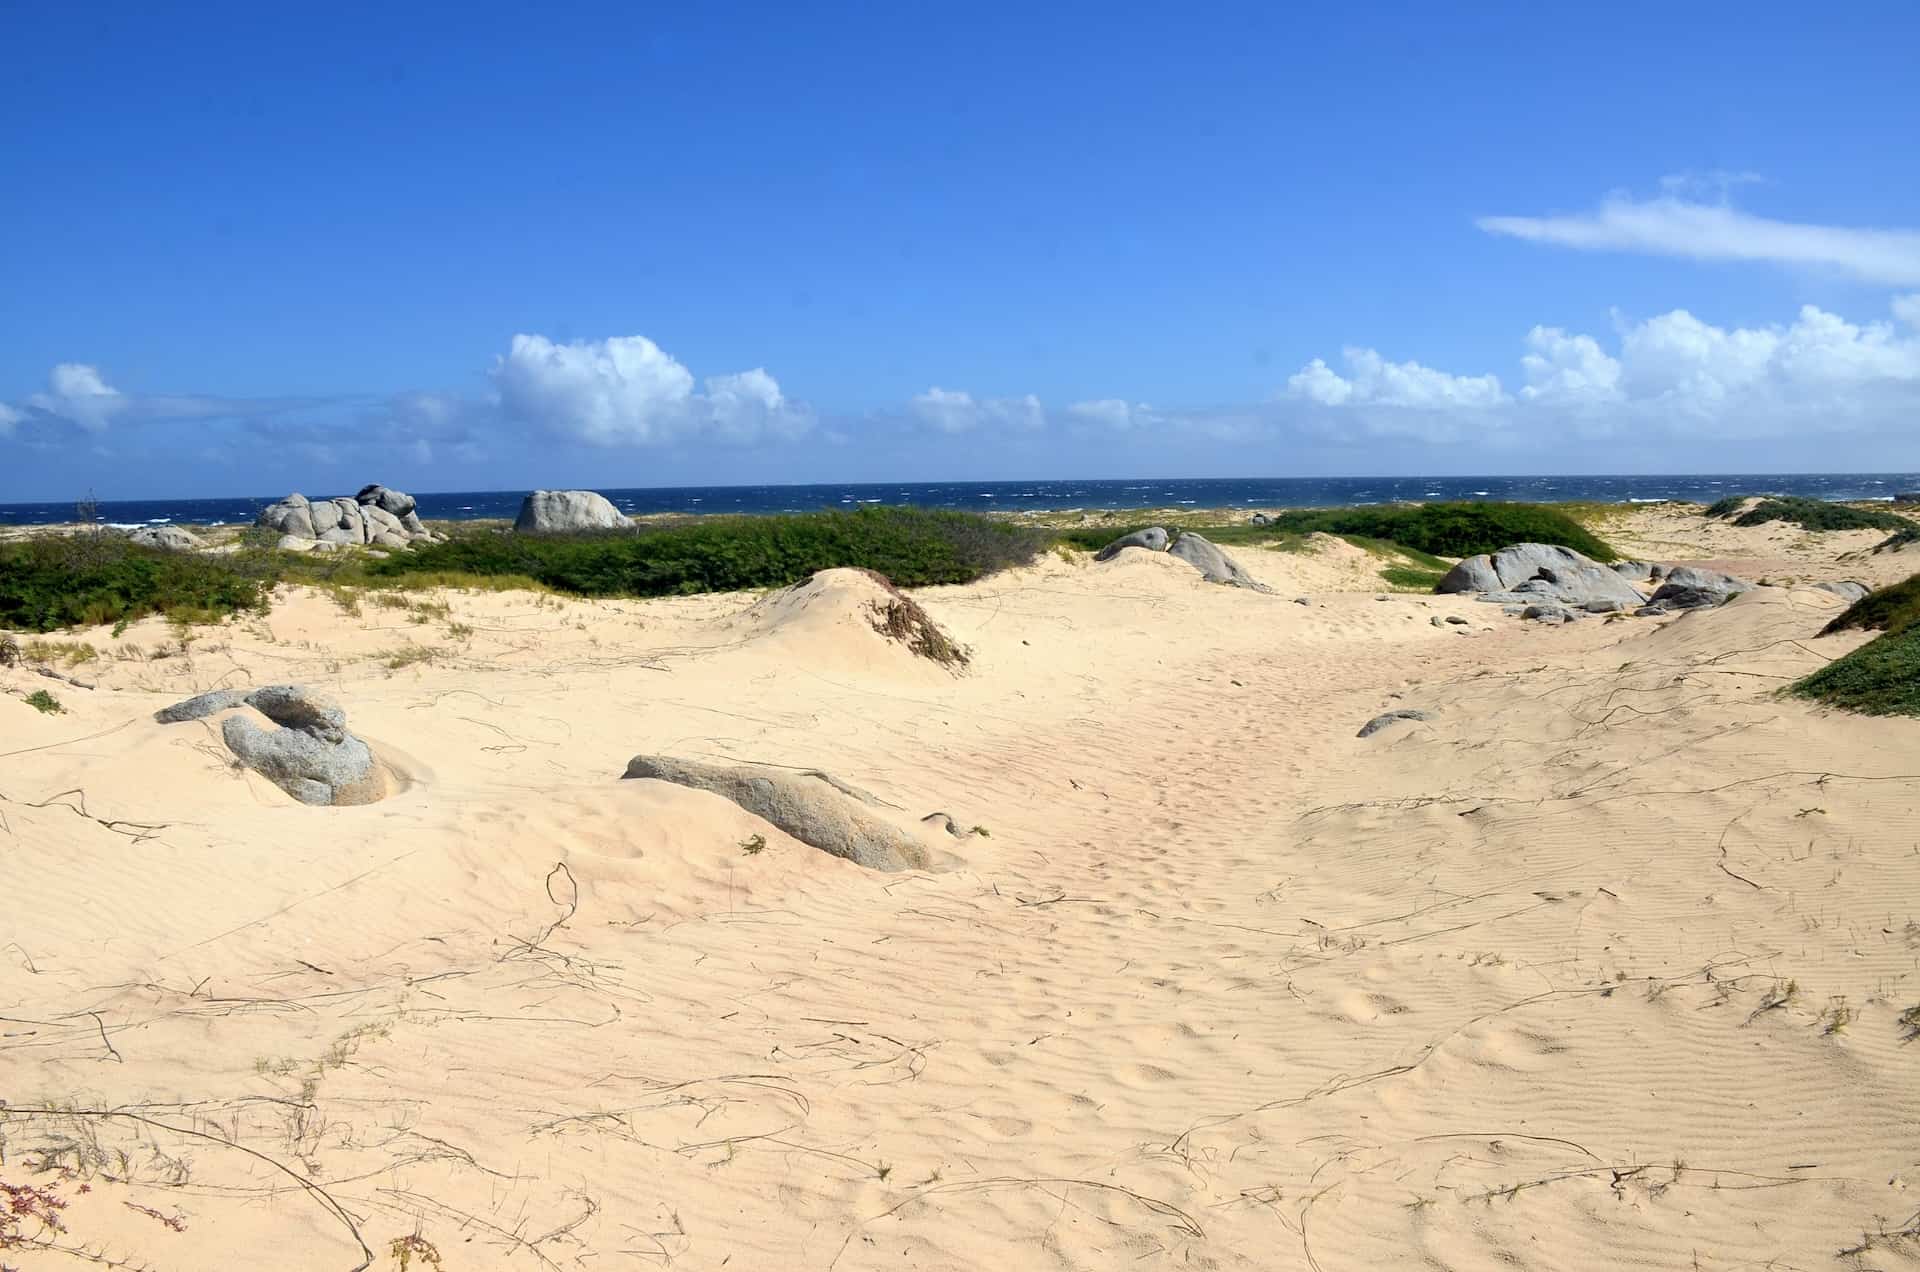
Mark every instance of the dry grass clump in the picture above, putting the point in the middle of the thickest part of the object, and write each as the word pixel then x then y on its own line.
pixel 900 618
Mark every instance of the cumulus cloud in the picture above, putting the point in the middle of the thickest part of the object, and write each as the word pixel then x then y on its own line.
pixel 80 395
pixel 1672 375
pixel 8 418
pixel 957 411
pixel 1371 380
pixel 1676 225
pixel 1114 415
pixel 627 391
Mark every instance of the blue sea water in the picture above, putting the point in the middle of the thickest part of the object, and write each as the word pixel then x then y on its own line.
pixel 1033 496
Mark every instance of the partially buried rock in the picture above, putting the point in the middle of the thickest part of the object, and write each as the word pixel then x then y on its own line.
pixel 1214 565
pixel 1848 591
pixel 1153 539
pixel 311 756
pixel 1688 588
pixel 1537 572
pixel 810 807
pixel 558 511
pixel 1384 719
pixel 1548 614
pixel 166 538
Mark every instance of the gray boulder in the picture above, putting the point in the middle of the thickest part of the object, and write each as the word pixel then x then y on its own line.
pixel 1561 573
pixel 1474 574
pixel 1259 519
pixel 1848 591
pixel 293 707
pixel 1153 539
pixel 1381 721
pixel 395 503
pixel 1641 571
pixel 1688 588
pixel 166 538
pixel 557 511
pixel 1214 565
pixel 201 706
pixel 311 769
pixel 810 807
pixel 291 516
pixel 1549 613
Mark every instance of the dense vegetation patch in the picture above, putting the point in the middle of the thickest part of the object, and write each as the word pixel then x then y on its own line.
pixel 1425 532
pixel 1808 514
pixel 1882 677
pixel 915 547
pixel 88 579
pixel 1898 539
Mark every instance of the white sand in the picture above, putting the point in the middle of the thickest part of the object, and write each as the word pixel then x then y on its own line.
pixel 1599 968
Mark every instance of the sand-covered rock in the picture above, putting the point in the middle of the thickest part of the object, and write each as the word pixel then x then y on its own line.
pixel 1388 718
pixel 1685 587
pixel 1214 565
pixel 310 755
pixel 805 805
pixel 559 511
pixel 1153 539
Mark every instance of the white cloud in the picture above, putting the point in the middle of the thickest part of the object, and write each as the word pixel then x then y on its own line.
pixel 79 394
pixel 1674 376
pixel 8 418
pixel 957 411
pixel 1677 226
pixel 1371 380
pixel 626 390
pixel 1115 415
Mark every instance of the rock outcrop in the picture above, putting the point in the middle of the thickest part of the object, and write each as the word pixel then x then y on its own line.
pixel 310 755
pixel 1153 539
pixel 1685 587
pixel 810 807
pixel 166 538
pixel 558 511
pixel 1536 572
pixel 1848 591
pixel 1214 565
pixel 376 517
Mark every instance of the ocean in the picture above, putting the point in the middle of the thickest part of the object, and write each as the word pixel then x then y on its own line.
pixel 1035 496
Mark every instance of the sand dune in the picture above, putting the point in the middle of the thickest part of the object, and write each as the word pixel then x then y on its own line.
pixel 1601 966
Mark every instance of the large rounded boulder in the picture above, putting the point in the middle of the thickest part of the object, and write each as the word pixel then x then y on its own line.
pixel 560 511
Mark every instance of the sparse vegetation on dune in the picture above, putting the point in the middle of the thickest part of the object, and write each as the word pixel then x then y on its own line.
pixel 1882 677
pixel 85 580
pixel 1808 514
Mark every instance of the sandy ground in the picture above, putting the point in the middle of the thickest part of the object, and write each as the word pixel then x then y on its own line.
pixel 1601 967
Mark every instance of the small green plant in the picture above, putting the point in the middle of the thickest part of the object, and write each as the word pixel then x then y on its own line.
pixel 459 631
pixel 1837 1017
pixel 407 656
pixel 404 1250
pixel 70 652
pixel 983 832
pixel 45 703
pixel 754 846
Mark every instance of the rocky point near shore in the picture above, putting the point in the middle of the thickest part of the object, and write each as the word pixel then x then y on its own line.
pixel 376 517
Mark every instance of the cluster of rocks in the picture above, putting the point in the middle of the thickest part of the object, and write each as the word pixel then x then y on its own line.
pixel 1549 583
pixel 559 511
pixel 376 517
pixel 1214 565
pixel 310 756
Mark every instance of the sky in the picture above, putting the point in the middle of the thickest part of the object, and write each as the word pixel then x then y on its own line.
pixel 247 248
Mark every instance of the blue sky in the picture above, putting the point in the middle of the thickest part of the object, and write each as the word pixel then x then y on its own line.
pixel 478 246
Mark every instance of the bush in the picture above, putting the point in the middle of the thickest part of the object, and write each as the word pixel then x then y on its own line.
pixel 88 579
pixel 1898 539
pixel 1425 532
pixel 1882 677
pixel 914 547
pixel 1808 514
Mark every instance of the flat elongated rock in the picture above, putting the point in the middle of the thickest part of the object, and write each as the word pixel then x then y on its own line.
pixel 1386 718
pixel 557 511
pixel 1214 565
pixel 812 810
pixel 1848 591
pixel 201 706
pixel 1153 539
pixel 1549 613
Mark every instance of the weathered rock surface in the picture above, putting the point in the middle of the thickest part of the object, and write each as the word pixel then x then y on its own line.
pixel 1386 718
pixel 376 515
pixel 1642 571
pixel 311 756
pixel 200 706
pixel 1214 565
pixel 1549 613
pixel 557 511
pixel 1685 587
pixel 1535 573
pixel 1153 539
pixel 167 538
pixel 811 808
pixel 1473 574
pixel 1847 591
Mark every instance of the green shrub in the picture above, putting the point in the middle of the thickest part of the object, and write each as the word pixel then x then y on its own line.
pixel 1425 532
pixel 1898 539
pixel 1808 514
pixel 45 703
pixel 88 579
pixel 914 547
pixel 1882 677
